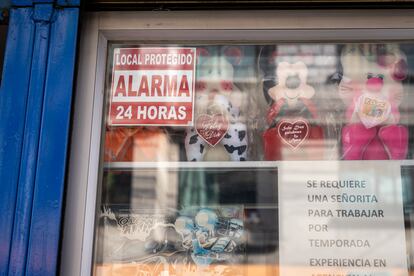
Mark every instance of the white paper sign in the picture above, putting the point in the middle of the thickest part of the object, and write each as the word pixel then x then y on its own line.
pixel 341 218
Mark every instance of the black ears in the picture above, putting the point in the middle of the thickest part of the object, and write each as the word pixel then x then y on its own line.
pixel 267 56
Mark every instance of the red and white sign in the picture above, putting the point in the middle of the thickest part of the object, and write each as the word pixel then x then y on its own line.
pixel 293 133
pixel 152 86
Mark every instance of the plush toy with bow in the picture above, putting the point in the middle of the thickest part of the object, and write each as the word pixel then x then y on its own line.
pixel 372 91
pixel 218 125
pixel 292 117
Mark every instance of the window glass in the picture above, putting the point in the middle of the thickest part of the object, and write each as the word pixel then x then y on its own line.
pixel 236 159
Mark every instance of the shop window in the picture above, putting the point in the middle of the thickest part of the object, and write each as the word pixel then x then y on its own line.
pixel 197 138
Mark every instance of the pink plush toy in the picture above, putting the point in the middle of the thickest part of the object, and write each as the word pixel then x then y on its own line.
pixel 372 90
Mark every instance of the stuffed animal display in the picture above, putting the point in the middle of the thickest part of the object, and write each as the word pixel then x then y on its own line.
pixel 372 91
pixel 292 117
pixel 218 122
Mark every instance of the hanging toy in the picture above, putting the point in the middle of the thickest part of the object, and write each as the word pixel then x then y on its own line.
pixel 292 132
pixel 218 126
pixel 372 91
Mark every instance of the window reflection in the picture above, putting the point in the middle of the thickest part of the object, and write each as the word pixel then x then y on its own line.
pixel 230 211
pixel 160 212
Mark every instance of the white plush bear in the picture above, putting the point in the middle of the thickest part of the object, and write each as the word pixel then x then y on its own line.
pixel 218 125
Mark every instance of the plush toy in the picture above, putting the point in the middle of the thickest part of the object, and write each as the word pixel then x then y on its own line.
pixel 372 91
pixel 218 125
pixel 292 117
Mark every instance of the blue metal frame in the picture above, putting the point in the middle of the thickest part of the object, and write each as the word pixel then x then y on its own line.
pixel 13 102
pixel 42 14
pixel 35 106
pixel 47 206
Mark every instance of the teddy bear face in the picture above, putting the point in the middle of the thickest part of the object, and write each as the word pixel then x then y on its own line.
pixel 292 82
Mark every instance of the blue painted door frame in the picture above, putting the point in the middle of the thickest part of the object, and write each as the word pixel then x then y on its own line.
pixel 35 108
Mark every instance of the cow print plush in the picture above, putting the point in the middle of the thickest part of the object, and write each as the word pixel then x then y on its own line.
pixel 214 90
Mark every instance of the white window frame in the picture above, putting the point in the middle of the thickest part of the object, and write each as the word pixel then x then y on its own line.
pixel 239 26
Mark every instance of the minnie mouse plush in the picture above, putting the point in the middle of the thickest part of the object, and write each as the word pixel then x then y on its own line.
pixel 292 117
pixel 372 91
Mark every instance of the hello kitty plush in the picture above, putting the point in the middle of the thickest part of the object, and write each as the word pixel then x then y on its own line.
pixel 218 122
pixel 292 116
pixel 372 91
